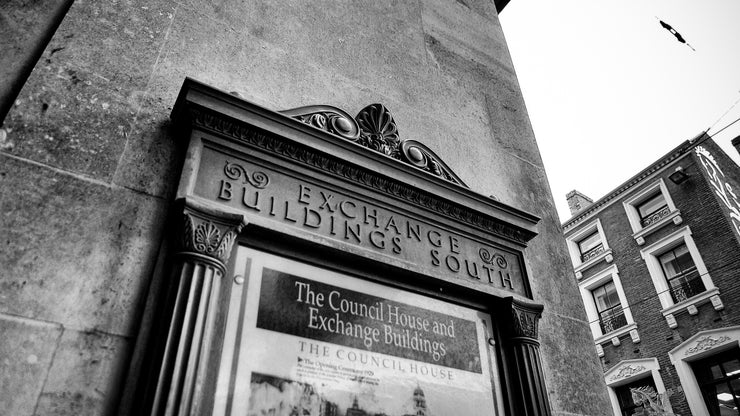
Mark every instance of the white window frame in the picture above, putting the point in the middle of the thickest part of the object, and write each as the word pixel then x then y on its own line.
pixel 575 252
pixel 700 345
pixel 585 287
pixel 633 215
pixel 651 253
pixel 626 372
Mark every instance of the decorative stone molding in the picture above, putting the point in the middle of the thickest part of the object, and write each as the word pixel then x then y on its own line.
pixel 235 171
pixel 374 128
pixel 692 310
pixel 635 336
pixel 209 232
pixel 706 343
pixel 219 124
pixel 717 303
pixel 327 118
pixel 671 321
pixel 627 371
pixel 616 342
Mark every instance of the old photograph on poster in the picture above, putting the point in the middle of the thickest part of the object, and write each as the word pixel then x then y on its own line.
pixel 325 344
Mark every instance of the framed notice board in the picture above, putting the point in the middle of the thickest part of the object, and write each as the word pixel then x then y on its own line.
pixel 303 340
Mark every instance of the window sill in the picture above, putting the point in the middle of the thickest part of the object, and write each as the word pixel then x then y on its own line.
pixel 690 305
pixel 674 216
pixel 606 255
pixel 614 334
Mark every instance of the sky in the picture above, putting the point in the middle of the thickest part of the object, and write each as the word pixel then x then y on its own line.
pixel 609 91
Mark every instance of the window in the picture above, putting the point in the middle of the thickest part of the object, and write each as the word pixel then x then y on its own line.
pixel 590 246
pixel 653 210
pixel 624 396
pixel 679 270
pixel 650 209
pixel 679 275
pixel 587 247
pixel 719 381
pixel 606 306
pixel 609 307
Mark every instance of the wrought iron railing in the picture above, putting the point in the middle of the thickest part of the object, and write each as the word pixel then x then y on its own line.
pixel 686 285
pixel 592 253
pixel 656 216
pixel 612 319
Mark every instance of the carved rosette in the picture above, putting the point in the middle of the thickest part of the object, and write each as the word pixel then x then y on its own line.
pixel 209 232
pixel 525 319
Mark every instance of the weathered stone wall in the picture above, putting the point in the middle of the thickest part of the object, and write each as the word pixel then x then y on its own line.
pixel 89 165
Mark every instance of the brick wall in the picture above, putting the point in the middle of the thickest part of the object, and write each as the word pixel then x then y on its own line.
pixel 718 246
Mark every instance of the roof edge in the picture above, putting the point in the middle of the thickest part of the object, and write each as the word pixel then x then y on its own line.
pixel 669 157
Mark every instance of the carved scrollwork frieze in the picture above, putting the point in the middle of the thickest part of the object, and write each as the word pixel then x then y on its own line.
pixel 627 371
pixel 209 232
pixel 327 118
pixel 706 343
pixel 236 171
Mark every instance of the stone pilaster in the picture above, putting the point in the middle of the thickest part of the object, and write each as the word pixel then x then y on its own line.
pixel 207 238
pixel 528 389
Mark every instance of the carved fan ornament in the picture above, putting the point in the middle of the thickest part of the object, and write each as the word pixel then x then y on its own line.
pixel 375 129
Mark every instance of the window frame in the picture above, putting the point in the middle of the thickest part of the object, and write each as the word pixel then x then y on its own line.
pixel 596 281
pixel 573 242
pixel 632 204
pixel 651 256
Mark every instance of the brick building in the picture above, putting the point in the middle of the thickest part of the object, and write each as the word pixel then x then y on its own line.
pixel 657 263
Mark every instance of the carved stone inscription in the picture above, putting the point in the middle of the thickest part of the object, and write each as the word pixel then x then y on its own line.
pixel 354 221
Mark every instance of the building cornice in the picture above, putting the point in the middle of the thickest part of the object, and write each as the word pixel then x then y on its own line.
pixel 656 166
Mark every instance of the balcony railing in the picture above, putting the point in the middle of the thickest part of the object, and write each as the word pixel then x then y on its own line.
pixel 612 319
pixel 656 216
pixel 686 285
pixel 592 253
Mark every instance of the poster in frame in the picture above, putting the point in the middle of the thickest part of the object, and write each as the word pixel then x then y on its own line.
pixel 303 340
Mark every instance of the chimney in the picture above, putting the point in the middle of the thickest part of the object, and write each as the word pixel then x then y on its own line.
pixel 736 143
pixel 577 201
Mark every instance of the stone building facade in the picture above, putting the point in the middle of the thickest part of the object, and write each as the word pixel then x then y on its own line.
pixel 656 262
pixel 91 164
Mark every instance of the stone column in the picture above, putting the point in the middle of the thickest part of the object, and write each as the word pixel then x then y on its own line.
pixel 528 389
pixel 208 235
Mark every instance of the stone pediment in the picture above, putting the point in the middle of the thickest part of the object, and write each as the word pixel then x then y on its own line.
pixel 374 128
